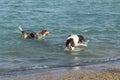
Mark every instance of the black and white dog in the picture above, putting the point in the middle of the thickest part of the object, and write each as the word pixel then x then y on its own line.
pixel 27 34
pixel 75 40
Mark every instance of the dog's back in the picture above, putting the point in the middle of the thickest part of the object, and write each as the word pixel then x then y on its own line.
pixel 27 34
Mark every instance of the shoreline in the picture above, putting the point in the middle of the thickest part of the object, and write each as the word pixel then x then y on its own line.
pixel 106 71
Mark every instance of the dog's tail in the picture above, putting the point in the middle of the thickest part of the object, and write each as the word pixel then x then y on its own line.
pixel 20 28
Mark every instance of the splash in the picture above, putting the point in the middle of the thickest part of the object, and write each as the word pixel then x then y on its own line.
pixel 85 44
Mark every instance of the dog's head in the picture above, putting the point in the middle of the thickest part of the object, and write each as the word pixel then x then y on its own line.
pixel 42 34
pixel 45 32
pixel 70 44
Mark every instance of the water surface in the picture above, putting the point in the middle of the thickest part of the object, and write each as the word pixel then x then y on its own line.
pixel 97 21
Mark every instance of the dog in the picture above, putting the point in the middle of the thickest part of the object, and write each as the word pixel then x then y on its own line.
pixel 74 41
pixel 27 34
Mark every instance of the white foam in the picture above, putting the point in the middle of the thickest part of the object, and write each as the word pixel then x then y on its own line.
pixel 66 49
pixel 84 43
pixel 79 49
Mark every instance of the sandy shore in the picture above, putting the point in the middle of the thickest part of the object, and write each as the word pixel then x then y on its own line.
pixel 106 71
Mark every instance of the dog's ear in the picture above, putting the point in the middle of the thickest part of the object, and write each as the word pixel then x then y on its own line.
pixel 71 42
pixel 45 32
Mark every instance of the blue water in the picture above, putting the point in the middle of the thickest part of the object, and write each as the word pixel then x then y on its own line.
pixel 97 20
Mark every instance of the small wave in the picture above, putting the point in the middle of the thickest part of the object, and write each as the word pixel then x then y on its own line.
pixel 42 67
pixel 33 67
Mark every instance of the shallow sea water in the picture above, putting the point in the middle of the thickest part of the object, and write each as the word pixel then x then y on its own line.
pixel 97 21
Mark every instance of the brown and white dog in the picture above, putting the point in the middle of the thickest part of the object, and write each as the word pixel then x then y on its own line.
pixel 27 34
pixel 75 40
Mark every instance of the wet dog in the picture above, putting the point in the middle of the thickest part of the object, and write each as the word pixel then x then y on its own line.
pixel 75 40
pixel 27 34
